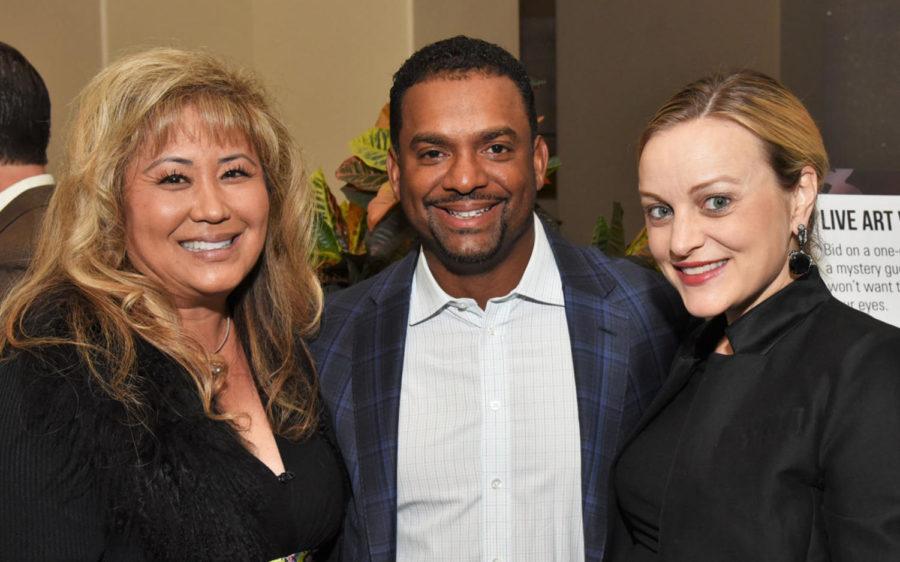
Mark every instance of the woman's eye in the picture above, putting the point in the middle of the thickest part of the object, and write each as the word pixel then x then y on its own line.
pixel 173 178
pixel 236 173
pixel 716 203
pixel 658 212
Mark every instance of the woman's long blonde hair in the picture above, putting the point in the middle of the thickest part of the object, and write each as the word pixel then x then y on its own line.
pixel 134 103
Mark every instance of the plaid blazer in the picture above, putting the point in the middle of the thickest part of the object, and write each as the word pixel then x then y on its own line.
pixel 624 322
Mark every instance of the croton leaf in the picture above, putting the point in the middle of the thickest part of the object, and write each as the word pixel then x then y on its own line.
pixel 355 172
pixel 378 207
pixel 639 250
pixel 360 198
pixel 384 117
pixel 372 147
pixel 355 219
pixel 601 233
pixel 640 246
pixel 553 164
pixel 609 237
pixel 329 223
pixel 322 193
pixel 391 239
pixel 327 250
pixel 615 246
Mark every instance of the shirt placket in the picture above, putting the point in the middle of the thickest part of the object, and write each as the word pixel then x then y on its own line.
pixel 495 433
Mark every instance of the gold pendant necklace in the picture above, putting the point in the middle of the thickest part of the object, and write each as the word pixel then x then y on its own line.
pixel 217 363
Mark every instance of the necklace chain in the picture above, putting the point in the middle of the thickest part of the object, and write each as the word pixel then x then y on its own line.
pixel 224 338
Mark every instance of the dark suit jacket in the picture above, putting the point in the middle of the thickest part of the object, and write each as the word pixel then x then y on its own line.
pixel 622 323
pixel 19 222
pixel 791 449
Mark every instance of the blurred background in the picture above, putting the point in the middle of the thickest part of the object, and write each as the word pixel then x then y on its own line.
pixel 605 65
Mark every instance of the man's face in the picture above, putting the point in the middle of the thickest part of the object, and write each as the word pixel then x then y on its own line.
pixel 466 169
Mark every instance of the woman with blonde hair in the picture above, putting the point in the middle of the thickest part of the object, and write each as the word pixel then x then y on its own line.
pixel 157 400
pixel 775 436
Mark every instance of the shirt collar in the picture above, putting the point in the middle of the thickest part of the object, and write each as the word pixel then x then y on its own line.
pixel 21 186
pixel 540 282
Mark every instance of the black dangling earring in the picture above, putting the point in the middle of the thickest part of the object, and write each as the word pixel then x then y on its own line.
pixel 799 261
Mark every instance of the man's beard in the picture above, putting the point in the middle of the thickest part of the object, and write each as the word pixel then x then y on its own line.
pixel 485 253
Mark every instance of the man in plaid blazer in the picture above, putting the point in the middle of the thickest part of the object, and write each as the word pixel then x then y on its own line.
pixel 466 164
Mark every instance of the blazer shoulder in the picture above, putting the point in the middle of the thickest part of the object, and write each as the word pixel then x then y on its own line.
pixel 27 207
pixel 394 277
pixel 634 286
pixel 19 224
pixel 343 307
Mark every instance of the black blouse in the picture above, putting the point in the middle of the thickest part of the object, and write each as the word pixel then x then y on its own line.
pixel 786 451
pixel 642 470
pixel 79 482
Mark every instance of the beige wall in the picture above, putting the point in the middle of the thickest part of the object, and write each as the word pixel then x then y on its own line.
pixel 328 63
pixel 617 61
pixel 62 41
pixel 497 21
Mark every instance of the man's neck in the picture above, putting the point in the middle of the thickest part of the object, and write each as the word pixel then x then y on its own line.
pixel 11 174
pixel 489 283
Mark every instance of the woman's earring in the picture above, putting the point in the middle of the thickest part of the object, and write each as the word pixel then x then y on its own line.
pixel 799 261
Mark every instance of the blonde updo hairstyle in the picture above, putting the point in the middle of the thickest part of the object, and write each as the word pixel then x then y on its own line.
pixel 763 106
pixel 132 105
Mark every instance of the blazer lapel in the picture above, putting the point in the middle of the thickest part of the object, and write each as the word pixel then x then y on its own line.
pixel 679 373
pixel 377 370
pixel 600 359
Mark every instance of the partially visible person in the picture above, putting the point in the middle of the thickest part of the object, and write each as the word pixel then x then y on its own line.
pixel 775 437
pixel 481 386
pixel 25 185
pixel 156 402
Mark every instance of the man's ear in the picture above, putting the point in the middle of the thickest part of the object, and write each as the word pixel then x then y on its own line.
pixel 393 170
pixel 804 197
pixel 541 155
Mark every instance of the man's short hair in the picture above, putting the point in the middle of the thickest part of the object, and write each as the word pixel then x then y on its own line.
pixel 24 110
pixel 454 58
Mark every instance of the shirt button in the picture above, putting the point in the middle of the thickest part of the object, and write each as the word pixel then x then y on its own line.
pixel 495 405
pixel 496 483
pixel 491 331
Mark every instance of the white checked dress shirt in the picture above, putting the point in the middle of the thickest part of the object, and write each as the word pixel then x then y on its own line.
pixel 489 461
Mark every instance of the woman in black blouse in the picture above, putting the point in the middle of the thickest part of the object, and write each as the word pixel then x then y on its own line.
pixel 157 401
pixel 776 436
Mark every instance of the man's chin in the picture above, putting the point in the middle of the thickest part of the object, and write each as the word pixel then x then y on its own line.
pixel 466 257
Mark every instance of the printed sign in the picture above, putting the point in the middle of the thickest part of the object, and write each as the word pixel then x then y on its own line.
pixel 860 252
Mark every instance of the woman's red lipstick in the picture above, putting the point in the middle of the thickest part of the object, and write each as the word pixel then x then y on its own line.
pixel 698 272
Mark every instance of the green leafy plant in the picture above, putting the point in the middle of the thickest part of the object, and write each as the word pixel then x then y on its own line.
pixel 610 237
pixel 368 231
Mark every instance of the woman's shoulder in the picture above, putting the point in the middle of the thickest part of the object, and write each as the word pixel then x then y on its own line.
pixel 845 325
pixel 859 353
